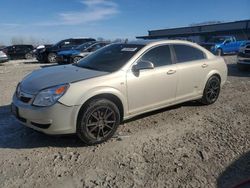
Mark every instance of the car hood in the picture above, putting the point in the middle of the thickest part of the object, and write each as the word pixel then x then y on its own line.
pixel 68 52
pixel 52 76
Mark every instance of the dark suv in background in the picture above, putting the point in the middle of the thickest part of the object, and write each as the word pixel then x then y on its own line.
pixel 49 54
pixel 243 62
pixel 19 51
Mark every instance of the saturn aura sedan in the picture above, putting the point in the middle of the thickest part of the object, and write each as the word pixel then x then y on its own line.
pixel 92 97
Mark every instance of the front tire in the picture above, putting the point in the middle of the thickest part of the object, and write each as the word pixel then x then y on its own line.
pixel 98 121
pixel 211 91
pixel 28 56
pixel 76 59
pixel 52 58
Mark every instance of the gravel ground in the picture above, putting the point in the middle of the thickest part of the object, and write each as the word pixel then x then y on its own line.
pixel 187 145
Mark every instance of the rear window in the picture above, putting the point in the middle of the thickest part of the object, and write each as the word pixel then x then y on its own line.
pixel 185 53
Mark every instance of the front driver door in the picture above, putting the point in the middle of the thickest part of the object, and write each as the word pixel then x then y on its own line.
pixel 152 88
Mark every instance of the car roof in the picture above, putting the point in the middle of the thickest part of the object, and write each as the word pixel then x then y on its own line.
pixel 158 41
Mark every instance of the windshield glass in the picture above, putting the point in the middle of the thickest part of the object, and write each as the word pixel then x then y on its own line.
pixel 110 58
pixel 85 45
pixel 217 39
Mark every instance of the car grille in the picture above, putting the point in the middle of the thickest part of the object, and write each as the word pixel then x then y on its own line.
pixel 247 50
pixel 24 97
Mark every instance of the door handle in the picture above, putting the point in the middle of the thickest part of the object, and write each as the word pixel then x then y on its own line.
pixel 204 65
pixel 171 72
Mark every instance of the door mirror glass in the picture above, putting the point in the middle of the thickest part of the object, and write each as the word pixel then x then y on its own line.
pixel 141 65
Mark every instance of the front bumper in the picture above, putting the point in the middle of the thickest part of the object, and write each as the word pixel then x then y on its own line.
pixel 3 59
pixel 56 119
pixel 243 59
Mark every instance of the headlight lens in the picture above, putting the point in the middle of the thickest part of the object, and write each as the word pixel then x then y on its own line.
pixel 18 90
pixel 50 96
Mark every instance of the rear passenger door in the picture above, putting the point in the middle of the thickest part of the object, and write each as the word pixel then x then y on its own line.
pixel 192 69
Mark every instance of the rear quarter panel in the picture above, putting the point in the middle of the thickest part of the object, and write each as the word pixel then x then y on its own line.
pixel 217 66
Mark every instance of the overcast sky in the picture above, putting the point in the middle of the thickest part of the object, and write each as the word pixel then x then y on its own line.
pixel 53 20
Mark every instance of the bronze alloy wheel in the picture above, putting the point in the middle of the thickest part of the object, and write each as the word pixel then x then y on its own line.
pixel 211 91
pixel 98 121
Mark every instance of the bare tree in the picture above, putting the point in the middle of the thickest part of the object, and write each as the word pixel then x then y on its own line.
pixel 28 40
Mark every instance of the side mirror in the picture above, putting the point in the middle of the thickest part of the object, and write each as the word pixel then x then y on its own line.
pixel 141 65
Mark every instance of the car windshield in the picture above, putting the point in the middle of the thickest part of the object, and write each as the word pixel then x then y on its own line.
pixel 110 58
pixel 85 45
pixel 217 39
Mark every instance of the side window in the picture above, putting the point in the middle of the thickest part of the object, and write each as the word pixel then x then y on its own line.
pixel 159 56
pixel 66 43
pixel 185 53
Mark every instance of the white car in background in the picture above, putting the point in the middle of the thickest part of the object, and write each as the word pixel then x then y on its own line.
pixel 3 57
pixel 120 81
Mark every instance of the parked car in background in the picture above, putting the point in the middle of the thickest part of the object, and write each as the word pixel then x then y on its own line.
pixel 119 81
pixel 3 57
pixel 38 49
pixel 220 45
pixel 49 54
pixel 21 51
pixel 243 57
pixel 74 55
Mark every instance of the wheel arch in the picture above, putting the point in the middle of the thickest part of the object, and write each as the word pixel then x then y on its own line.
pixel 106 95
pixel 209 75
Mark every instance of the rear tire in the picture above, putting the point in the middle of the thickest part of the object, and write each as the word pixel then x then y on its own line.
pixel 52 58
pixel 98 121
pixel 211 91
pixel 219 52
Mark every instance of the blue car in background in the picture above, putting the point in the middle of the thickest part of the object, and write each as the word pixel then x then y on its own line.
pixel 74 55
pixel 220 45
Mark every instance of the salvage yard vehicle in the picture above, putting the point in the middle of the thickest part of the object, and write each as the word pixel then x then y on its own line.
pixel 120 81
pixel 74 55
pixel 3 57
pixel 21 51
pixel 221 45
pixel 49 54
pixel 243 57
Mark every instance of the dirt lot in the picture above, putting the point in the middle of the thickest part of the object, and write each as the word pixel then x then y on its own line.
pixel 187 145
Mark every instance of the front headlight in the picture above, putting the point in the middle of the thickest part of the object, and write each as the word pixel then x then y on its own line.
pixel 50 96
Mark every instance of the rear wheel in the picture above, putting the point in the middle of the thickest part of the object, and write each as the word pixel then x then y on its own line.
pixel 219 52
pixel 211 91
pixel 52 58
pixel 98 121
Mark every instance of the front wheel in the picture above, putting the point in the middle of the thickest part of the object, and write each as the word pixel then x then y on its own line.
pixel 76 59
pixel 28 56
pixel 52 58
pixel 211 91
pixel 98 121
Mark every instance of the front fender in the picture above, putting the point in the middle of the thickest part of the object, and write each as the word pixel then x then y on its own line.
pixel 103 90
